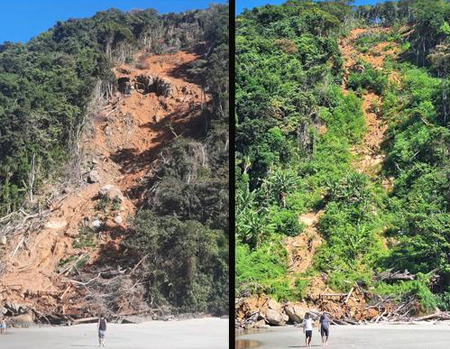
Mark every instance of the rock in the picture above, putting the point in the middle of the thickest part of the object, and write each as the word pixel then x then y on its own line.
pixel 124 85
pixel 276 318
pixel 56 224
pixel 24 320
pixel 96 224
pixel 15 307
pixel 163 88
pixel 132 320
pixel 105 189
pixel 295 313
pixel 273 304
pixel 371 313
pixel 260 324
pixel 3 240
pixel 94 161
pixel 93 177
pixel 118 219
pixel 154 84
pixel 110 191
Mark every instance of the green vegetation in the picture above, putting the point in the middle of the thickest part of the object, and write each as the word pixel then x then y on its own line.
pixel 85 238
pixel 367 78
pixel 183 225
pixel 288 73
pixel 71 263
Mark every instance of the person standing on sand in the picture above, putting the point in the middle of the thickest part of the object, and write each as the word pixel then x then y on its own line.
pixel 308 329
pixel 3 326
pixel 101 325
pixel 324 327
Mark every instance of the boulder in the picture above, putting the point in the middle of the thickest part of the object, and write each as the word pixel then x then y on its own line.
pixel 260 324
pixel 276 318
pixel 23 320
pixel 295 313
pixel 93 177
pixel 110 191
pixel 273 304
pixel 3 240
pixel 163 88
pixel 153 84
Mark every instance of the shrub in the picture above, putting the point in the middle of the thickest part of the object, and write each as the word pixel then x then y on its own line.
pixel 369 78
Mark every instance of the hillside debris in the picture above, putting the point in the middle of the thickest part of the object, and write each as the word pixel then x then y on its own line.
pixel 58 269
pixel 355 307
pixel 390 276
pixel 153 84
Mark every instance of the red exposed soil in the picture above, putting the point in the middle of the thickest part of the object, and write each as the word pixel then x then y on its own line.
pixel 122 146
pixel 301 248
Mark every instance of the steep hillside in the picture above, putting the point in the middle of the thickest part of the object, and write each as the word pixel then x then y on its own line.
pixel 329 210
pixel 87 244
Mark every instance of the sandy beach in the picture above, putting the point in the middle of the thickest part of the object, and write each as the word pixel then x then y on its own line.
pixel 379 336
pixel 208 333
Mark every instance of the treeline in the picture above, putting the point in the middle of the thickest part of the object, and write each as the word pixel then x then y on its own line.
pixel 294 132
pixel 46 84
pixel 429 21
pixel 46 87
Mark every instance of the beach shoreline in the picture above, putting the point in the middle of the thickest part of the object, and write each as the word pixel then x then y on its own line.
pixel 385 335
pixel 202 333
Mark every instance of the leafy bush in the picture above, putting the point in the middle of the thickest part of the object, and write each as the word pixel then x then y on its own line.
pixel 267 267
pixel 415 288
pixel 368 78
pixel 186 262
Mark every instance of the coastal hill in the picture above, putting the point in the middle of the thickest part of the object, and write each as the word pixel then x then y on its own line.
pixel 342 176
pixel 114 168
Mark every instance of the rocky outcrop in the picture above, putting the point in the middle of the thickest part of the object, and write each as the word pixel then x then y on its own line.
pixel 93 177
pixel 124 85
pixel 276 317
pixel 295 313
pixel 153 84
pixel 260 312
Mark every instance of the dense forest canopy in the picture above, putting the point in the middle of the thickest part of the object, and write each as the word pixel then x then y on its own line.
pixel 295 131
pixel 46 87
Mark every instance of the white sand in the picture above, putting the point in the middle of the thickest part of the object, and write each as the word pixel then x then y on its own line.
pixel 208 333
pixel 379 336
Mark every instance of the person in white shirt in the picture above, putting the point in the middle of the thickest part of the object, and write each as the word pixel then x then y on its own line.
pixel 308 329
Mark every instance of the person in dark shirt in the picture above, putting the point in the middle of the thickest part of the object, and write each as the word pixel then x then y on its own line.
pixel 324 327
pixel 101 325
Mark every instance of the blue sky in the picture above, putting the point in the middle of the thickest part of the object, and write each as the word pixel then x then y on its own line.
pixel 20 20
pixel 242 4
